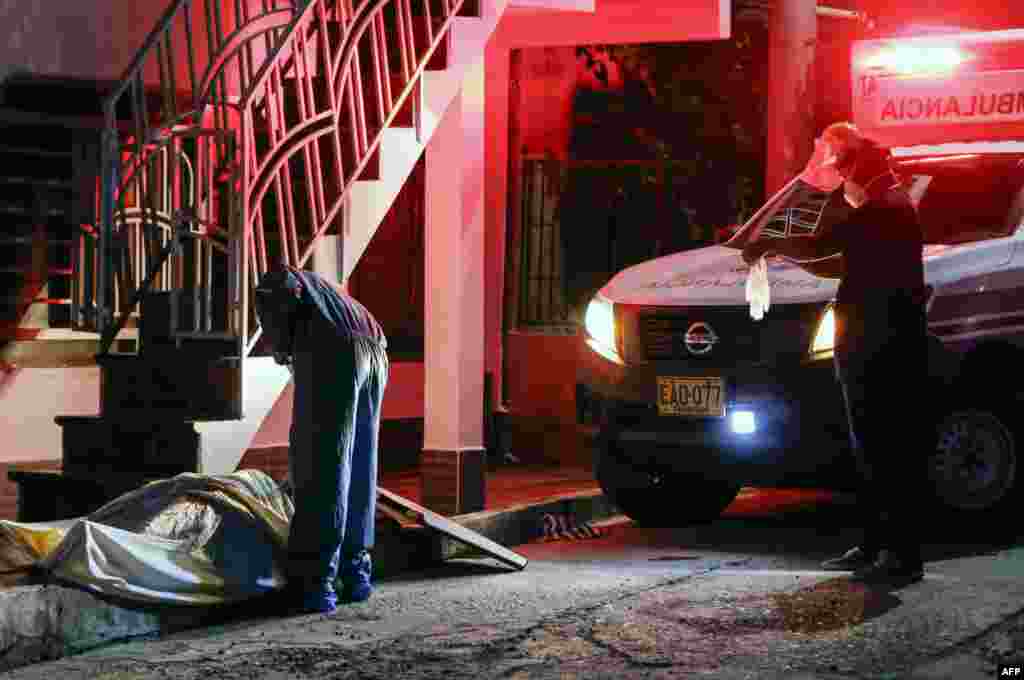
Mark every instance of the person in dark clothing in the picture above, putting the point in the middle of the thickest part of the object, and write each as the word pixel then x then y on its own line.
pixel 880 350
pixel 339 357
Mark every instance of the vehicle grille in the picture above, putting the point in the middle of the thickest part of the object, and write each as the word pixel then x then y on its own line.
pixel 785 330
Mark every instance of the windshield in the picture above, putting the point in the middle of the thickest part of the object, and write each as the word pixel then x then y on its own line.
pixel 959 199
pixel 967 198
pixel 798 210
pixel 799 215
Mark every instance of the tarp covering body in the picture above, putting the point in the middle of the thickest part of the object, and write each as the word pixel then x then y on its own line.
pixel 192 539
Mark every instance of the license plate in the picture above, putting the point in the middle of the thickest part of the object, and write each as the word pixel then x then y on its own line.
pixel 690 397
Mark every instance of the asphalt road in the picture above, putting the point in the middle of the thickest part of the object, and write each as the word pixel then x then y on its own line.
pixel 738 598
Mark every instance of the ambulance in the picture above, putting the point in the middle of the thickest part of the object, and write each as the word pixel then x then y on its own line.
pixel 694 398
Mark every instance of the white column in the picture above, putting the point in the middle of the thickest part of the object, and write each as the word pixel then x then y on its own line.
pixel 453 462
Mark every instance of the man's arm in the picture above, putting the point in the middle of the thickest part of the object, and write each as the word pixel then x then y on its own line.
pixel 817 252
pixel 829 268
pixel 800 249
pixel 810 248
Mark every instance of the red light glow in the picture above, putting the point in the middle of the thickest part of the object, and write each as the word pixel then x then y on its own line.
pixel 916 60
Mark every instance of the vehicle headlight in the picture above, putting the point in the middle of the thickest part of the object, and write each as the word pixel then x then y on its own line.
pixel 743 421
pixel 825 338
pixel 599 322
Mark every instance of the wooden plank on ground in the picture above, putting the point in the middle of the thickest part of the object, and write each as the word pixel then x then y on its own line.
pixel 402 519
pixel 451 529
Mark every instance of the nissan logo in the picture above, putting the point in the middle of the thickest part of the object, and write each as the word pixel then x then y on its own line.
pixel 699 338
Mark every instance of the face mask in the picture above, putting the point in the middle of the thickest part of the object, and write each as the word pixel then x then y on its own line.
pixel 855 194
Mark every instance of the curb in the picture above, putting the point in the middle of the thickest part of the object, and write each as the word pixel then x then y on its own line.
pixel 40 623
pixel 521 524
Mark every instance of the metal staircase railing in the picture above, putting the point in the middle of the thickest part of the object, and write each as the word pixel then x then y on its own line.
pixel 168 152
pixel 341 78
pixel 284 107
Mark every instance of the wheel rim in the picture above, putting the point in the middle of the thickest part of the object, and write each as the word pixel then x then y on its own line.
pixel 975 463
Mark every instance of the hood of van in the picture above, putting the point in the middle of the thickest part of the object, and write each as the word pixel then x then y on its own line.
pixel 714 275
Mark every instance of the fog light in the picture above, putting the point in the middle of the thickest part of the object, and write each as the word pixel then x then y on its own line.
pixel 743 422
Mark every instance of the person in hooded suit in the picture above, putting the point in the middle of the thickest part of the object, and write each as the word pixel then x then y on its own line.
pixel 338 354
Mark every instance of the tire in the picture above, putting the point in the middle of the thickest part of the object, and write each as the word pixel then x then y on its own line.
pixel 975 470
pixel 660 498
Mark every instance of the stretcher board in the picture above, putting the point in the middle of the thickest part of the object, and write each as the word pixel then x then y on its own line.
pixel 402 519
pixel 388 502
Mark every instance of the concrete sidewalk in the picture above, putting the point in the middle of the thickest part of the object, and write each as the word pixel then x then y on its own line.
pixel 50 621
pixel 962 618
pixel 960 628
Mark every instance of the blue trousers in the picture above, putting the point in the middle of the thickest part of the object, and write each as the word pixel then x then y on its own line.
pixel 339 386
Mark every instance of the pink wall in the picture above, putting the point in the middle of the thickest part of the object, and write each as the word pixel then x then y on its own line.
pixel 98 40
pixel 613 21
pixel 616 21
pixel 544 383
pixel 78 39
pixel 30 398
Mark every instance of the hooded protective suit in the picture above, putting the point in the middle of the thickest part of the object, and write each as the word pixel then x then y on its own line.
pixel 341 368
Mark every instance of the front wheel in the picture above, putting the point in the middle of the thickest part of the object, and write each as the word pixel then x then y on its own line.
pixel 975 468
pixel 659 498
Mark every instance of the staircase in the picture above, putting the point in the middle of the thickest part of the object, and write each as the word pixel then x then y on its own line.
pixel 49 143
pixel 238 138
pixel 34 233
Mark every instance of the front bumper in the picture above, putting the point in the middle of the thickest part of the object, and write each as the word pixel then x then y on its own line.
pixel 800 438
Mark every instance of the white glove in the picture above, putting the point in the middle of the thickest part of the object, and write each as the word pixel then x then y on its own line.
pixel 758 290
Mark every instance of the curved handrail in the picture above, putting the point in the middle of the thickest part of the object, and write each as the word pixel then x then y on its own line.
pixel 341 73
pixel 293 142
pixel 344 68
pixel 162 30
pixel 257 27
pixel 222 48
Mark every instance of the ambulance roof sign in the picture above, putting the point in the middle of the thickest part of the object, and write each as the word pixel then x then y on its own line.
pixel 940 88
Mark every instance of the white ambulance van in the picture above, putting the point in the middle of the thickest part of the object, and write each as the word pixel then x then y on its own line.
pixel 696 399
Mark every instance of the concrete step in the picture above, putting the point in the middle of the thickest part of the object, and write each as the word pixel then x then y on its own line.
pixel 75 100
pixel 186 384
pixel 57 348
pixel 25 270
pixel 54 154
pixel 36 182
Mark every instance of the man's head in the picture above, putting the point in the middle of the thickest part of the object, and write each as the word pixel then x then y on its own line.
pixel 843 141
pixel 858 160
pixel 277 301
pixel 279 278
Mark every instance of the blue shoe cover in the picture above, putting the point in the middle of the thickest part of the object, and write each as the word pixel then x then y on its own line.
pixel 318 603
pixel 356 574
